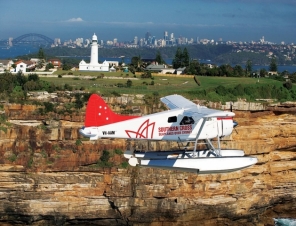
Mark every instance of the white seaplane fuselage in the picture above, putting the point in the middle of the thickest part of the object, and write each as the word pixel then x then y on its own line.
pixel 157 127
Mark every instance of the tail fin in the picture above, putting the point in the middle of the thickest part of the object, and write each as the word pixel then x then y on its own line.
pixel 98 113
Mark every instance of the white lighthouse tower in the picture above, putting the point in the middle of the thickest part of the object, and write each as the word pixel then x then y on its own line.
pixel 94 50
pixel 93 64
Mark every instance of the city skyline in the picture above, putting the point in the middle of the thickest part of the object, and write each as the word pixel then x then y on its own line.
pixel 228 20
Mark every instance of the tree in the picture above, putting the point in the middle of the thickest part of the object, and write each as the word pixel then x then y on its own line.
pixel 288 85
pixel 178 59
pixel 40 64
pixel 248 68
pixel 225 70
pixel 48 106
pixel 18 94
pixel 49 66
pixel 41 55
pixel 158 58
pixel 146 74
pixel 151 100
pixel 33 77
pixel 129 83
pixel 263 72
pixel 41 58
pixel 221 90
pixel 31 85
pixel 193 68
pixel 66 67
pixel 21 79
pixel 185 58
pixel 238 71
pixel 273 65
pixel 78 101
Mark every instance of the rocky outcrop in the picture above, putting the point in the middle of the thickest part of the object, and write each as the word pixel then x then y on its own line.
pixel 51 175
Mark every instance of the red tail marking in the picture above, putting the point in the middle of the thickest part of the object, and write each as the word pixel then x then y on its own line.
pixel 98 113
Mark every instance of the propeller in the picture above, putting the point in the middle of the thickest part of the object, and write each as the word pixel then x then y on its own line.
pixel 235 123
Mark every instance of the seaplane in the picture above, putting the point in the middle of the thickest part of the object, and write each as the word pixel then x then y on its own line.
pixel 184 121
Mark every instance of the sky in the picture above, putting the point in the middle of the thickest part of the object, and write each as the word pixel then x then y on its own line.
pixel 230 20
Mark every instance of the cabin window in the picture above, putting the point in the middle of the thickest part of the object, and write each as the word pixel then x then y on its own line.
pixel 172 119
pixel 187 120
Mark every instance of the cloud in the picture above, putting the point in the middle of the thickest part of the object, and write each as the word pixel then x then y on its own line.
pixel 78 19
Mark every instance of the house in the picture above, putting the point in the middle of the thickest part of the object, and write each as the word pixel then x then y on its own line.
pixel 55 62
pixel 180 70
pixel 168 71
pixel 24 66
pixel 162 69
pixel 35 60
pixel 155 68
pixel 270 73
pixel 5 65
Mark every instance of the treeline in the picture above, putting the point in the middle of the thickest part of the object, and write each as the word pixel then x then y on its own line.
pixel 247 92
pixel 15 87
pixel 242 58
pixel 221 54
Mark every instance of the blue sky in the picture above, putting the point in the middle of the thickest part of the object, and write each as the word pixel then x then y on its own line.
pixel 237 20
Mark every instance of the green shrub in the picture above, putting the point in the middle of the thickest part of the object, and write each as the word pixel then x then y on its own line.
pixel 124 165
pixel 12 157
pixel 118 151
pixel 78 142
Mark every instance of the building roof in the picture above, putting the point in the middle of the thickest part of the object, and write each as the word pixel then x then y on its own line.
pixel 5 62
pixel 54 59
pixel 27 62
pixel 153 67
pixel 181 69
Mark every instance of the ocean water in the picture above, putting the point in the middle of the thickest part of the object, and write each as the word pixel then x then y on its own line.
pixel 12 52
pixel 284 222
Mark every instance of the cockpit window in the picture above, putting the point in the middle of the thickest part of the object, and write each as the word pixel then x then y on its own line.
pixel 187 120
pixel 172 119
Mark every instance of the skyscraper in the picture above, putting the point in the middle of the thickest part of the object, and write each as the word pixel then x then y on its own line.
pixel 147 35
pixel 136 40
pixel 166 36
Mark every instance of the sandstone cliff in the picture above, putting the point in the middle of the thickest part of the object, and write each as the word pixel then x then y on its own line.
pixel 51 175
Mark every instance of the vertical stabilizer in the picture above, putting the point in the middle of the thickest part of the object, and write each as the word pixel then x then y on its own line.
pixel 98 113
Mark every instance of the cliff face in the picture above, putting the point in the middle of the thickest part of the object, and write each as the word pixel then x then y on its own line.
pixel 51 175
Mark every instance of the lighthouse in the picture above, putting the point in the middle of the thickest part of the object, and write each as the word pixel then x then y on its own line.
pixel 93 65
pixel 94 50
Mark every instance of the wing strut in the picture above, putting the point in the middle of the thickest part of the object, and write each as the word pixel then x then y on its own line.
pixel 198 134
pixel 209 143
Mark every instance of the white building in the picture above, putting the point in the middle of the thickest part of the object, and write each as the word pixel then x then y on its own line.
pixel 94 65
pixel 5 65
pixel 20 66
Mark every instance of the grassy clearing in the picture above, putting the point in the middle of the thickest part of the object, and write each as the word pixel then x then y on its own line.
pixel 163 84
pixel 93 73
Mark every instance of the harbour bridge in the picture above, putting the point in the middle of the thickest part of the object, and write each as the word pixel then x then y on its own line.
pixel 32 38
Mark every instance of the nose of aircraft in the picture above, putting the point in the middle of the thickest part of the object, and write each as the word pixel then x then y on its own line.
pixel 235 124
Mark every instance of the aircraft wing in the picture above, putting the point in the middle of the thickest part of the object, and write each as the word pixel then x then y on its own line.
pixel 180 102
pixel 177 101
